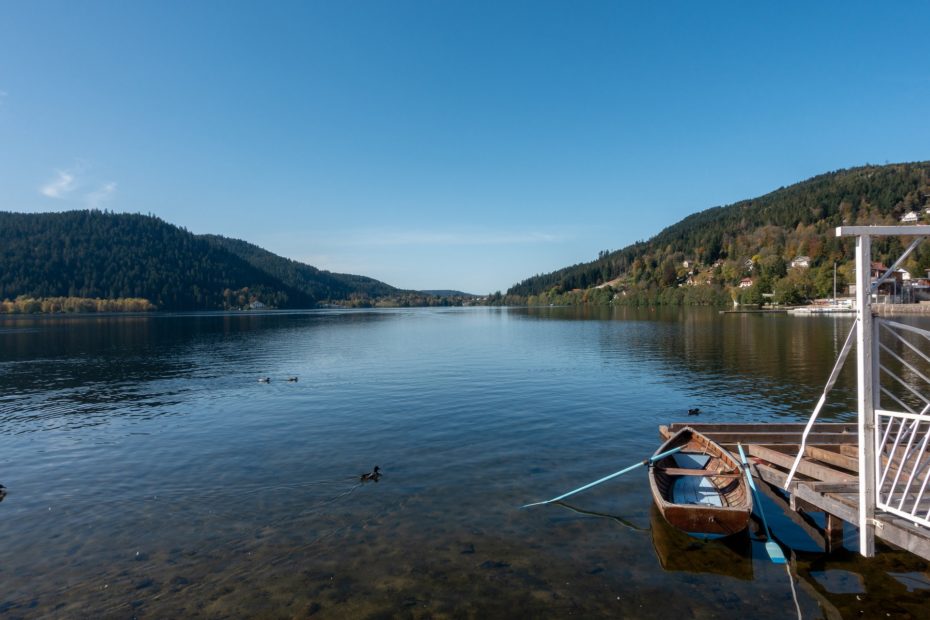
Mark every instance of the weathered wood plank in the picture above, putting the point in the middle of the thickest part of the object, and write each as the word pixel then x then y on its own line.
pixel 773 476
pixel 834 487
pixel 832 458
pixel 905 535
pixel 833 533
pixel 828 503
pixel 814 470
pixel 798 504
pixel 777 427
pixel 908 465
pixel 786 448
pixel 850 450
pixel 765 437
pixel 803 521
pixel 895 498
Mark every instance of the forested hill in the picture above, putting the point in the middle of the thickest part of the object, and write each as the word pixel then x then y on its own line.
pixel 310 280
pixel 94 254
pixel 719 246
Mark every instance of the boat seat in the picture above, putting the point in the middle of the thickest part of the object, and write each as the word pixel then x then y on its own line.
pixel 679 471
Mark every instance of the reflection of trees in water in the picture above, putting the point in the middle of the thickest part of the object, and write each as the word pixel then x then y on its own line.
pixel 81 371
pixel 781 359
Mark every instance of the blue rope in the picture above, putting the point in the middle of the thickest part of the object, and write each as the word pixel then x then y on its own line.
pixel 649 461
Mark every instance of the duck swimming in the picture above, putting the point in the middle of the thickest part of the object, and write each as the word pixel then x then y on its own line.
pixel 374 475
pixel 264 379
pixel 292 379
pixel 694 411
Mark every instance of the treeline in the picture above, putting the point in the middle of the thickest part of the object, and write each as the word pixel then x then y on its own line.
pixel 718 247
pixel 654 296
pixel 100 255
pixel 76 305
pixel 319 284
pixel 412 300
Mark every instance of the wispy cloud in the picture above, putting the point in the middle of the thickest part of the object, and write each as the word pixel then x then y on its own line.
pixel 100 195
pixel 72 184
pixel 59 187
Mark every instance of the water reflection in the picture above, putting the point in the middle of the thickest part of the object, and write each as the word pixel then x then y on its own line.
pixel 603 515
pixel 153 475
pixel 846 585
pixel 676 551
pixel 727 362
pixel 77 371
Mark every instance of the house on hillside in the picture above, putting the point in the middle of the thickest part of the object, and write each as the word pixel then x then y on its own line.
pixel 745 283
pixel 910 217
pixel 920 289
pixel 803 262
pixel 878 270
pixel 748 265
pixel 893 286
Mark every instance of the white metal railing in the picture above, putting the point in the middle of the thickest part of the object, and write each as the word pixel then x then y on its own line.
pixel 902 421
pixel 834 375
pixel 893 440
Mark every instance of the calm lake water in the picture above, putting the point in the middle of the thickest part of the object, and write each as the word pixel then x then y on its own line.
pixel 150 474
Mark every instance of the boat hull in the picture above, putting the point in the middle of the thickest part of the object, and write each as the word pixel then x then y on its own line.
pixel 701 489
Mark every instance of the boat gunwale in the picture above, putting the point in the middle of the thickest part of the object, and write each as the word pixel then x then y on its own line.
pixel 704 512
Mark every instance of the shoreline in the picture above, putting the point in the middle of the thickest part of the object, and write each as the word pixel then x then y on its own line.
pixel 893 309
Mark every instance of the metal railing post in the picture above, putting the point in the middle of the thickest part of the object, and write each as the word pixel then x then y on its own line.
pixel 867 374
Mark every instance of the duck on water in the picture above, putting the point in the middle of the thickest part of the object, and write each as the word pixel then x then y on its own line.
pixel 374 475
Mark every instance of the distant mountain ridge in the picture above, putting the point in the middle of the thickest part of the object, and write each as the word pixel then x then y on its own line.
pixel 447 293
pixel 96 254
pixel 720 246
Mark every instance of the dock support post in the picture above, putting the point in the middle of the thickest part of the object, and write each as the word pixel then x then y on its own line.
pixel 833 533
pixel 866 343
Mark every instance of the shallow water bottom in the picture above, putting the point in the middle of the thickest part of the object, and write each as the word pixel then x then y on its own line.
pixel 151 475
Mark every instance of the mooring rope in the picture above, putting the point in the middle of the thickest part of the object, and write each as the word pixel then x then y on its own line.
pixel 794 593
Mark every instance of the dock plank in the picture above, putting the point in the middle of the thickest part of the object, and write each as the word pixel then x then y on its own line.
pixel 835 487
pixel 773 476
pixel 905 535
pixel 806 467
pixel 777 427
pixel 832 458
pixel 828 503
pixel 786 438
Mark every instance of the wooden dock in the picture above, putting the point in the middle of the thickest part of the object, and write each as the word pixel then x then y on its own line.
pixel 826 481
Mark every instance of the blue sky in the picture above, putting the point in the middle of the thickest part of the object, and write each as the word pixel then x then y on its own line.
pixel 463 145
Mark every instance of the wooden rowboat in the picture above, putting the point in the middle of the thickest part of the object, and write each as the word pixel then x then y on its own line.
pixel 701 489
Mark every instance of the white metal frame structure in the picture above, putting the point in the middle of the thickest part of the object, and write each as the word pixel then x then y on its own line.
pixel 903 457
pixel 893 445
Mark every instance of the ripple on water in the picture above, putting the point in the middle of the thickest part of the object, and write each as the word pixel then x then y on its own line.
pixel 151 474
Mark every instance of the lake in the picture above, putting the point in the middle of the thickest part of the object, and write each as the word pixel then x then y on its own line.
pixel 151 474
